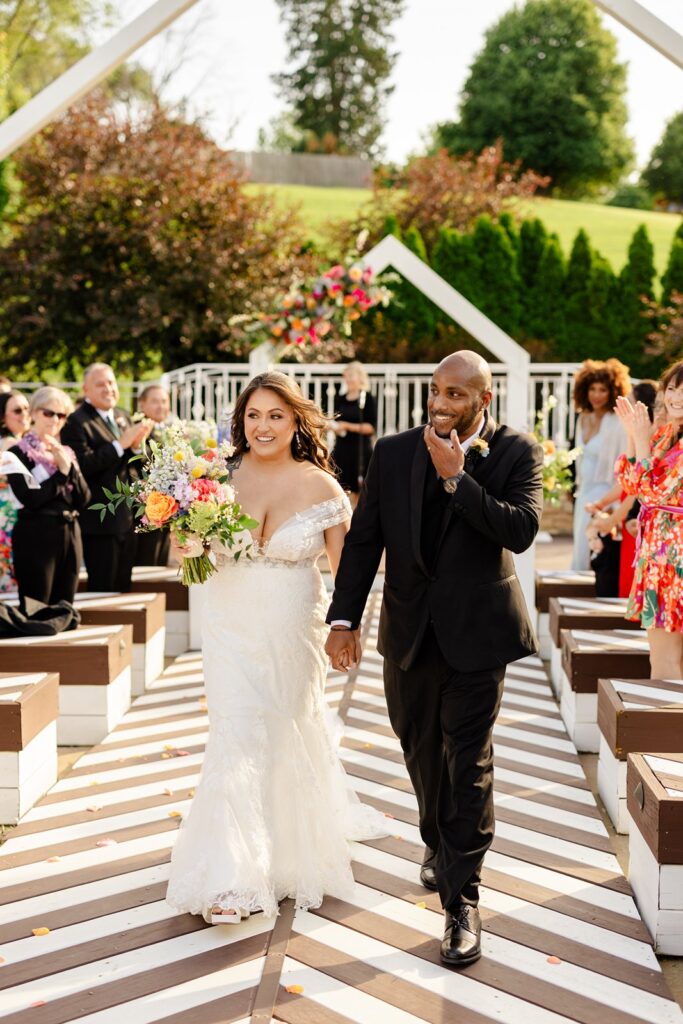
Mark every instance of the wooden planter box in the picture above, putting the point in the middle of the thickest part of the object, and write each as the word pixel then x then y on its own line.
pixel 589 655
pixel 557 583
pixel 94 666
pixel 29 706
pixel 182 616
pixel 582 613
pixel 634 716
pixel 146 613
pixel 654 784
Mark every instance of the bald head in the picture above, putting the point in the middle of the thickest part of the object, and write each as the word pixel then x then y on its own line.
pixel 459 392
pixel 471 366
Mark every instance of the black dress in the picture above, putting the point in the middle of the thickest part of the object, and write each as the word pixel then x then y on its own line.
pixel 352 453
pixel 46 541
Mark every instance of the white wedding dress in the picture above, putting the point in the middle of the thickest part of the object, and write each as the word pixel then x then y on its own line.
pixel 273 810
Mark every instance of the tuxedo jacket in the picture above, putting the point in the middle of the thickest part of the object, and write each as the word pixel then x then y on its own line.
pixel 470 592
pixel 91 439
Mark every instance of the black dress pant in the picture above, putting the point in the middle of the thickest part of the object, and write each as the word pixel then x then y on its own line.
pixel 152 548
pixel 109 561
pixel 47 554
pixel 444 720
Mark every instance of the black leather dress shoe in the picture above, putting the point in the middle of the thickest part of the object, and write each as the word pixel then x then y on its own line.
pixel 427 871
pixel 462 938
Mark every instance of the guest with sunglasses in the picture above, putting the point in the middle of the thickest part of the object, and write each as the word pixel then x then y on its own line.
pixel 14 422
pixel 46 542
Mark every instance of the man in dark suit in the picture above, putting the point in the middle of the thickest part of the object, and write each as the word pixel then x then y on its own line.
pixel 448 504
pixel 105 440
pixel 154 403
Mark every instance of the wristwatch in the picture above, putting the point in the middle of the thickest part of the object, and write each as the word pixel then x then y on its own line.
pixel 450 484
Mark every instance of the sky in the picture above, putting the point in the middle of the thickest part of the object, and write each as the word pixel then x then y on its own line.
pixel 220 55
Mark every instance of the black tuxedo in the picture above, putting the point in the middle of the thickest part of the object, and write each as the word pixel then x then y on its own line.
pixel 108 543
pixel 453 616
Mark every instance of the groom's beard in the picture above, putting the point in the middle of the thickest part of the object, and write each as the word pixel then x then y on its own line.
pixel 461 422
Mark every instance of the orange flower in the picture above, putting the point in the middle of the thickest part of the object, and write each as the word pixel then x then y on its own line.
pixel 349 300
pixel 297 324
pixel 160 507
pixel 548 447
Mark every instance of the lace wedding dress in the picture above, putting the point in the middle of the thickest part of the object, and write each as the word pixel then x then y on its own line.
pixel 273 810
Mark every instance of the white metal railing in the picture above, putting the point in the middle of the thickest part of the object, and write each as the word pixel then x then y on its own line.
pixel 400 390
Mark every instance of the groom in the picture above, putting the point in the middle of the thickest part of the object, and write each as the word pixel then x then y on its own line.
pixel 448 503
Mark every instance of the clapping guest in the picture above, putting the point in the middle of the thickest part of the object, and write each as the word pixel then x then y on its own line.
pixel 354 424
pixel 600 436
pixel 153 548
pixel 105 440
pixel 46 543
pixel 652 470
pixel 14 422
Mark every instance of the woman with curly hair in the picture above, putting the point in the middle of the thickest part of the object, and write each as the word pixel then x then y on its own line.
pixel 652 470
pixel 273 811
pixel 599 434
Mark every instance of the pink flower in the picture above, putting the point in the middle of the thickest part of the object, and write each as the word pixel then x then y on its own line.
pixel 207 490
pixel 335 272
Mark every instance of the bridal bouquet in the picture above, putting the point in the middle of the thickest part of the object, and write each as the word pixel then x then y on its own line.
pixel 185 488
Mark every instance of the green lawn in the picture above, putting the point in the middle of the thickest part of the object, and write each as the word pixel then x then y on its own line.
pixel 609 228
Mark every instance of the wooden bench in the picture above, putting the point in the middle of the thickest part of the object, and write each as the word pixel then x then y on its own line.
pixel 634 716
pixel 654 784
pixel 29 706
pixel 582 613
pixel 557 583
pixel 589 655
pixel 183 616
pixel 146 613
pixel 94 666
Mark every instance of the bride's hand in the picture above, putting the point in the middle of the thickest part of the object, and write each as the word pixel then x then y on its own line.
pixel 343 649
pixel 192 548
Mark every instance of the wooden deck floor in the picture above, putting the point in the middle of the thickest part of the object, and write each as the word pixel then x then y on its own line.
pixel 563 940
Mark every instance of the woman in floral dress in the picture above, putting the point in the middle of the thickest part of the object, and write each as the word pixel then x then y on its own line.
pixel 652 469
pixel 14 422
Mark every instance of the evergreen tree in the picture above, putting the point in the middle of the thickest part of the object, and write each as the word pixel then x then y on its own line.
pixel 672 279
pixel 664 172
pixel 545 306
pixel 532 243
pixel 499 289
pixel 418 311
pixel 636 289
pixel 603 300
pixel 340 58
pixel 548 83
pixel 456 260
pixel 577 337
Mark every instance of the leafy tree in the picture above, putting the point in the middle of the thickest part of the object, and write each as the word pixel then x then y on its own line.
pixel 548 83
pixel 136 244
pixel 666 338
pixel 341 62
pixel 664 172
pixel 440 191
pixel 632 196
pixel 43 38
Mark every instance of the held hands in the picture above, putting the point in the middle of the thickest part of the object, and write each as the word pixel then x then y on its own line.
pixel 62 460
pixel 343 649
pixel 447 456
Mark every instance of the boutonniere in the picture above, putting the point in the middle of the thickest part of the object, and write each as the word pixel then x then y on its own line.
pixel 479 448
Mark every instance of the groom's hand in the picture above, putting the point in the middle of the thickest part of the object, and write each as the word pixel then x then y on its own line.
pixel 343 649
pixel 446 454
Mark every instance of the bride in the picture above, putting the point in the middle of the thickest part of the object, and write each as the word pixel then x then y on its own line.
pixel 273 810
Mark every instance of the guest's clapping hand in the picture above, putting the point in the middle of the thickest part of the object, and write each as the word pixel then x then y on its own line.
pixel 634 418
pixel 62 460
pixel 136 433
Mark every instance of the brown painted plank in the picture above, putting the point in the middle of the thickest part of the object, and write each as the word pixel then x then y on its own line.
pixel 297 1009
pixel 225 1010
pixel 510 927
pixel 393 991
pixel 134 897
pixel 13 860
pixel 164 778
pixel 101 997
pixel 492 973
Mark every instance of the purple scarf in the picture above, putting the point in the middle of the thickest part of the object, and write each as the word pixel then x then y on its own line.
pixel 38 453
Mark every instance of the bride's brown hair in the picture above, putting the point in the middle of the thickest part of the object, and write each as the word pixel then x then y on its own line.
pixel 309 422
